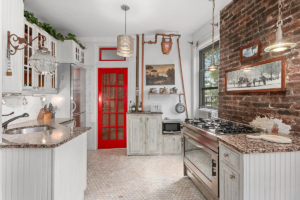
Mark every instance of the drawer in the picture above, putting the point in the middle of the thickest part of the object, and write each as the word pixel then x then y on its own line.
pixel 229 156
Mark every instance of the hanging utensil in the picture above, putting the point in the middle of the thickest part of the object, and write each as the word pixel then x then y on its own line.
pixel 180 107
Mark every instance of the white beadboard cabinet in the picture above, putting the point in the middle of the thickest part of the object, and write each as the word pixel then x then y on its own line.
pixel 171 144
pixel 144 134
pixel 264 176
pixel 46 174
pixel 70 52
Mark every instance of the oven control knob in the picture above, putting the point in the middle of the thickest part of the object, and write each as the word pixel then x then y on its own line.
pixel 214 173
pixel 214 164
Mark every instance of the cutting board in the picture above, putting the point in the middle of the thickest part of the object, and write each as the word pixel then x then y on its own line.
pixel 272 138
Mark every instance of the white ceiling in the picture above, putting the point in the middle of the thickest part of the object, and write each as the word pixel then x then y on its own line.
pixel 94 18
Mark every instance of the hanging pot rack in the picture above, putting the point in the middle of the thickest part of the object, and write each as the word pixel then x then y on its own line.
pixel 154 42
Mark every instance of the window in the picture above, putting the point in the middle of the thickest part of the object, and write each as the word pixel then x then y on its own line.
pixel 209 80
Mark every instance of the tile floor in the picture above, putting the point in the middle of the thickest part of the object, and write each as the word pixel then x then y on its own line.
pixel 114 175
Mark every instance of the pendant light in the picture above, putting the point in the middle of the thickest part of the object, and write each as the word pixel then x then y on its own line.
pixel 125 42
pixel 212 66
pixel 42 62
pixel 280 45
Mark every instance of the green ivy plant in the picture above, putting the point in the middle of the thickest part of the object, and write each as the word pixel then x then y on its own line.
pixel 73 37
pixel 49 29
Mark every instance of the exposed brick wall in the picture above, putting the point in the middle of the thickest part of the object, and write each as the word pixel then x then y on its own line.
pixel 245 21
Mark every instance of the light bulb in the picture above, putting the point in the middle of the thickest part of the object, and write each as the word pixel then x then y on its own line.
pixel 43 98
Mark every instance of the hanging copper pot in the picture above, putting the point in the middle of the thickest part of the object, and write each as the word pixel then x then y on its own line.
pixel 166 45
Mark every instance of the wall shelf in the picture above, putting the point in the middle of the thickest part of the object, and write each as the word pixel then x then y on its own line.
pixel 159 94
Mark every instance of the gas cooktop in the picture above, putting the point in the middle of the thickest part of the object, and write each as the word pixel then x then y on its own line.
pixel 220 126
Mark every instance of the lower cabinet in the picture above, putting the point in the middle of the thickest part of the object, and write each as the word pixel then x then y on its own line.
pixel 229 183
pixel 144 134
pixel 135 135
pixel 171 144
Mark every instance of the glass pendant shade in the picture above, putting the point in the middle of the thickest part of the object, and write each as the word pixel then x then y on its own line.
pixel 280 45
pixel 42 62
pixel 125 45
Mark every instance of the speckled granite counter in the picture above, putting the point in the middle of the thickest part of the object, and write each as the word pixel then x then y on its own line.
pixel 144 113
pixel 244 145
pixel 46 139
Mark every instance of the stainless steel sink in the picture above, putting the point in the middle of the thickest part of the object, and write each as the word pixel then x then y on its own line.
pixel 29 130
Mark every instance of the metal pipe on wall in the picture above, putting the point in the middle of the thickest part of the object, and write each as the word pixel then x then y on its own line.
pixel 137 70
pixel 143 43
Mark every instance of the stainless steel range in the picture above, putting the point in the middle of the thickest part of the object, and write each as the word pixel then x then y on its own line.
pixel 201 149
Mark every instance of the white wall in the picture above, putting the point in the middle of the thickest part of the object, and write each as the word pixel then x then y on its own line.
pixel 153 55
pixel 204 38
pixel 1 61
pixel 15 104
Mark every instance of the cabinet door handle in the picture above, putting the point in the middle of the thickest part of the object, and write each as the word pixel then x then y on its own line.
pixel 232 177
pixel 226 155
pixel 141 120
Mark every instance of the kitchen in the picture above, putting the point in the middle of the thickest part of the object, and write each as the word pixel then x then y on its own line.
pixel 111 112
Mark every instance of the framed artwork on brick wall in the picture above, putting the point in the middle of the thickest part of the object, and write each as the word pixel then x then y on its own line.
pixel 266 76
pixel 250 51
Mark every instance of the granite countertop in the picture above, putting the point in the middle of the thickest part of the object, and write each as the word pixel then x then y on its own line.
pixel 144 113
pixel 58 135
pixel 244 145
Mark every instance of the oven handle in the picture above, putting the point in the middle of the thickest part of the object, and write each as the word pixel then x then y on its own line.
pixel 195 143
pixel 202 146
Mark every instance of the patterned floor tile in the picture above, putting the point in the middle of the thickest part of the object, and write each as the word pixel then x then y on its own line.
pixel 112 175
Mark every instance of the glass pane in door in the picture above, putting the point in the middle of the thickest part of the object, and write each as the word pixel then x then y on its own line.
pixel 105 78
pixel 113 134
pixel 120 133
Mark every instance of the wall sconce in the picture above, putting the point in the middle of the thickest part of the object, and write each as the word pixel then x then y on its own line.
pixel 42 61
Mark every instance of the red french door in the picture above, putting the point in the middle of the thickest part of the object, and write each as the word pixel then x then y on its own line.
pixel 112 108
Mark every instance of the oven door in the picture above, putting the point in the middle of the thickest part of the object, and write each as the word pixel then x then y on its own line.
pixel 203 162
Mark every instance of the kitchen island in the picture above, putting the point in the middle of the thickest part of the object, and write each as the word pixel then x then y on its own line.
pixel 49 164
pixel 248 168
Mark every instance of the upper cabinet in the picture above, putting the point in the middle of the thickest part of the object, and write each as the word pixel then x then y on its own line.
pixel 34 83
pixel 70 52
pixel 24 79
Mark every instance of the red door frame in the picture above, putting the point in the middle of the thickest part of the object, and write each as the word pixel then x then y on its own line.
pixel 108 144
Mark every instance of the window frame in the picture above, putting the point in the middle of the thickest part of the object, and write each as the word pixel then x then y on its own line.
pixel 202 74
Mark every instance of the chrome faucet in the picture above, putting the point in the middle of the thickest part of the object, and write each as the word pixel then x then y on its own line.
pixel 8 114
pixel 4 124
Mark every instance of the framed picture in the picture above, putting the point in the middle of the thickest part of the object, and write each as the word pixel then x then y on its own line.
pixel 110 54
pixel 160 74
pixel 266 76
pixel 250 51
